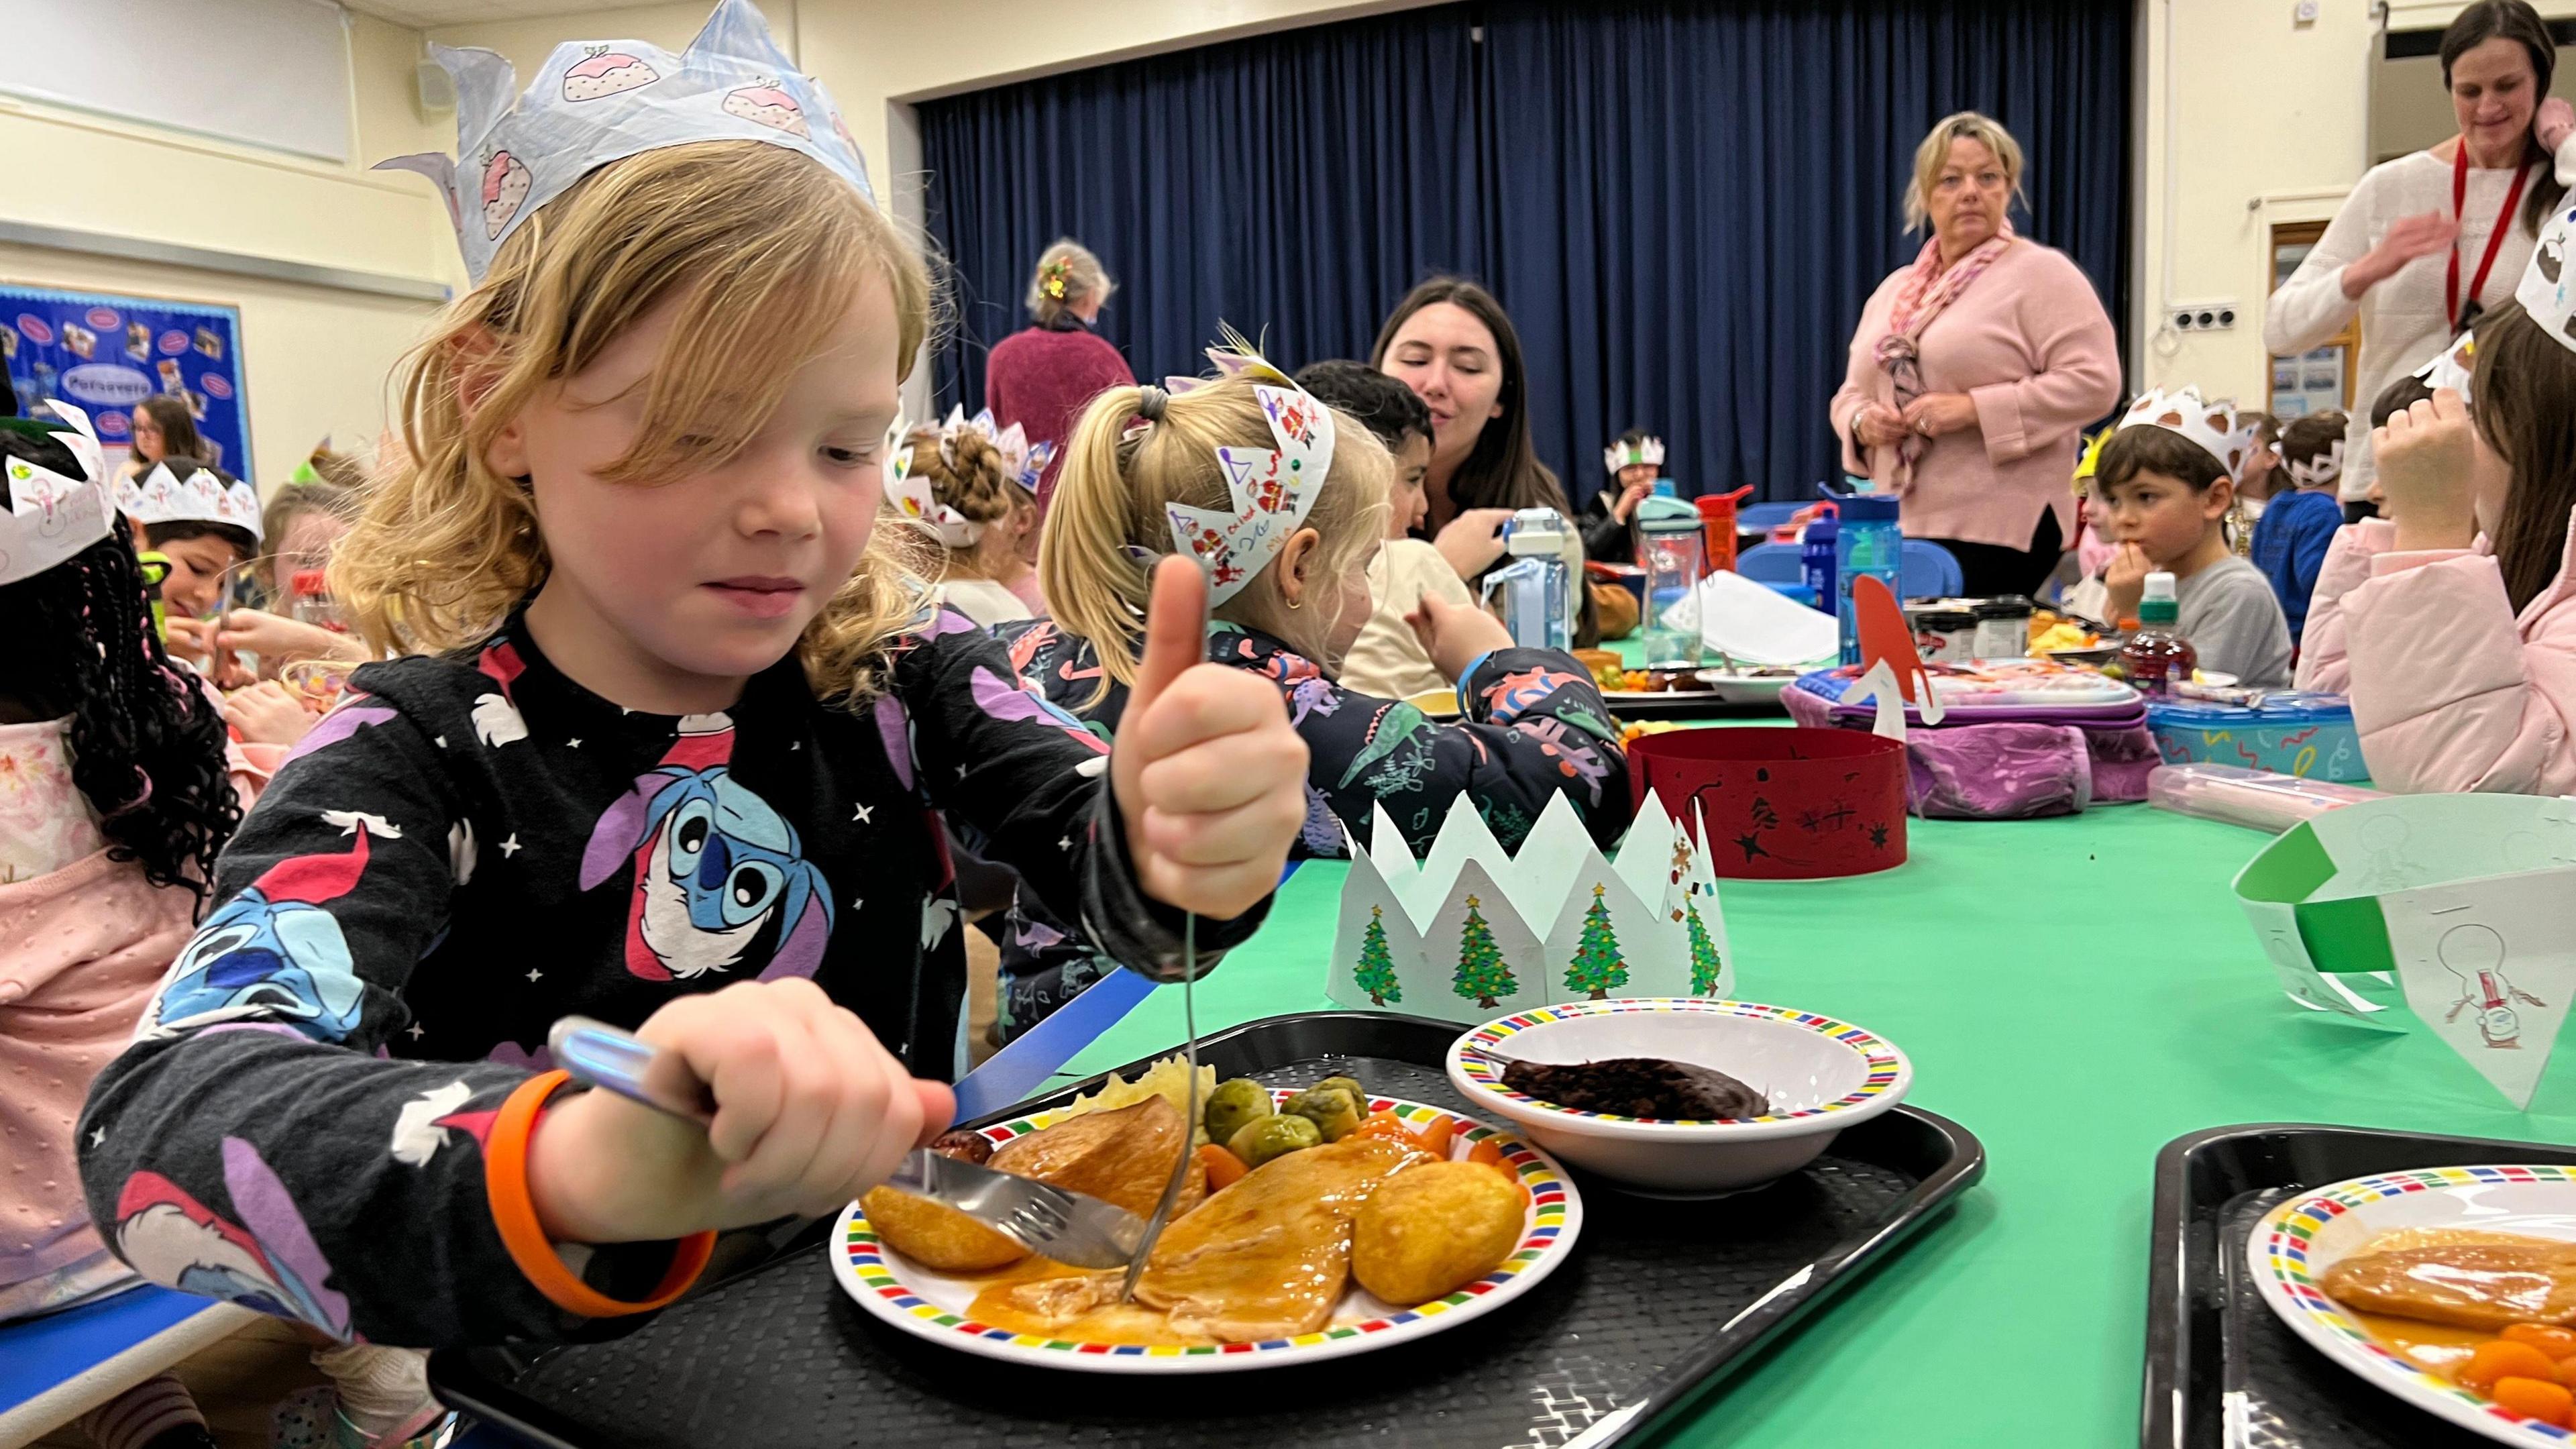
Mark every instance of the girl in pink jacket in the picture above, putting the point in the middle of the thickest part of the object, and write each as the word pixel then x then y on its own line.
pixel 2452 623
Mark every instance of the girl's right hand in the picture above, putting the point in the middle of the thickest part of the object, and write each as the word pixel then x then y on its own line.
pixel 2424 458
pixel 265 714
pixel 810 1112
pixel 1456 635
pixel 277 639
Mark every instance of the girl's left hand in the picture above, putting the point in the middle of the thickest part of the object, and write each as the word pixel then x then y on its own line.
pixel 265 714
pixel 1209 776
pixel 1937 413
pixel 2426 456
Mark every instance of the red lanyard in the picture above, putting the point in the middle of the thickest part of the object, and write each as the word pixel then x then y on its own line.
pixel 2495 238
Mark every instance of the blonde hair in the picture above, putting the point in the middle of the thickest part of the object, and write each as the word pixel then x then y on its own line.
pixel 765 249
pixel 1934 154
pixel 1067 275
pixel 1109 497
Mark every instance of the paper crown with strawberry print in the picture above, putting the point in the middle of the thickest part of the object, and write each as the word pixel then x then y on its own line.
pixel 1272 489
pixel 52 516
pixel 2217 427
pixel 1624 454
pixel 2547 291
pixel 595 103
pixel 1025 461
pixel 201 495
pixel 909 495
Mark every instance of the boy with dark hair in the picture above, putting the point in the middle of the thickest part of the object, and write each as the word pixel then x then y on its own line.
pixel 2167 480
pixel 2291 539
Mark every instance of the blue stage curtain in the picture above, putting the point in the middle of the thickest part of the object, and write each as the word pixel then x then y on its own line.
pixel 1691 203
pixel 1291 186
pixel 1683 206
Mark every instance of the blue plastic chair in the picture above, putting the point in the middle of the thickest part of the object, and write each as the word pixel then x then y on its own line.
pixel 1765 516
pixel 1926 570
pixel 1774 563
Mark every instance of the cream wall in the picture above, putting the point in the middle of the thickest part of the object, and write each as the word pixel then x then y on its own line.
pixel 315 356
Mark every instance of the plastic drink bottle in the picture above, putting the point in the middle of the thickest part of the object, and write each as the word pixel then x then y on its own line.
pixel 2156 657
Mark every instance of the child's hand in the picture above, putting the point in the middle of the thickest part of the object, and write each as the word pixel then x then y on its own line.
pixel 277 639
pixel 1473 540
pixel 265 714
pixel 1456 635
pixel 2126 577
pixel 1629 497
pixel 810 1112
pixel 188 639
pixel 1209 776
pixel 2426 455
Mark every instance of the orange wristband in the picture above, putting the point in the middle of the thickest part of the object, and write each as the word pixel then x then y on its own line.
pixel 505 1182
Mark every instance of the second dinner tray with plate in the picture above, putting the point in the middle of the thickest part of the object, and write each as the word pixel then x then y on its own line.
pixel 1654 1305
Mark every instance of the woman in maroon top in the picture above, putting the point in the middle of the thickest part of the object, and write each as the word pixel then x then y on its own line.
pixel 1043 376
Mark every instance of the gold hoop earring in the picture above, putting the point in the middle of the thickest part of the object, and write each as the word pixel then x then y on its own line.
pixel 1296 603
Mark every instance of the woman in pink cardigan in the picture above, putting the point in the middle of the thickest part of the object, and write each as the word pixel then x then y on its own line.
pixel 2451 622
pixel 1975 366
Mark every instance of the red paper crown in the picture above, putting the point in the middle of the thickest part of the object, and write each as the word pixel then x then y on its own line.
pixel 1794 804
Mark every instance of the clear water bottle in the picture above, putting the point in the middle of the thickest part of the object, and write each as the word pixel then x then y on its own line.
pixel 1669 545
pixel 1534 593
pixel 1866 541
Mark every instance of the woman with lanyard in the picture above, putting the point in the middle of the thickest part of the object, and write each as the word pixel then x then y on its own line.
pixel 2427 241
pixel 1974 367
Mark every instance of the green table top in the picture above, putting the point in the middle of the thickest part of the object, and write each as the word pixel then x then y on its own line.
pixel 2077 992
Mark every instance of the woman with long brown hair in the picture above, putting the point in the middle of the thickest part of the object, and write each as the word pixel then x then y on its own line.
pixel 2427 241
pixel 163 428
pixel 1451 342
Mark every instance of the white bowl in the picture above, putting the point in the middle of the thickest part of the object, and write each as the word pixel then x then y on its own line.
pixel 1821 1076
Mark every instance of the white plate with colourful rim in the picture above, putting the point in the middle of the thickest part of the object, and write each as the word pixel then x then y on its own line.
pixel 2290 1250
pixel 932 1305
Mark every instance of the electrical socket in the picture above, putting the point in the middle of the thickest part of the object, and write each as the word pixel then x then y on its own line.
pixel 2201 316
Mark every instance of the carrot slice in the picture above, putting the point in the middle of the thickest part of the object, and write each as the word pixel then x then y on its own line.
pixel 2536 1399
pixel 1224 1169
pixel 2501 1358
pixel 1441 1130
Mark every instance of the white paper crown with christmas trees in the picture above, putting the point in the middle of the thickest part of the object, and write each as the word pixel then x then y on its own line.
pixel 2217 426
pixel 51 516
pixel 1473 931
pixel 594 104
pixel 205 495
pixel 1624 454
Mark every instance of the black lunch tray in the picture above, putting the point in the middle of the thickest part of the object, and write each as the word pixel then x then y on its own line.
pixel 1658 1302
pixel 2215 1349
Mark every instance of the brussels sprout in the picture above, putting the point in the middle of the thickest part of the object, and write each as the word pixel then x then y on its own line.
pixel 1351 1085
pixel 1276 1135
pixel 1233 1104
pixel 1335 1112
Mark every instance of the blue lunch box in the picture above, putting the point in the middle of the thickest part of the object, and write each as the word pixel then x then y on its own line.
pixel 2291 733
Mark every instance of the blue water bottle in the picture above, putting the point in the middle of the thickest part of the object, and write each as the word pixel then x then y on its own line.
pixel 1816 560
pixel 1867 542
pixel 1534 593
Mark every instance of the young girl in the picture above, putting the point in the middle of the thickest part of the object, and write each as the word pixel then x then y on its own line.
pixel 113 802
pixel 1292 594
pixel 1387 659
pixel 2453 624
pixel 971 485
pixel 669 750
pixel 1608 519
pixel 163 429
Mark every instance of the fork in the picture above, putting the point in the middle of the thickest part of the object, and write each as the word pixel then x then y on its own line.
pixel 1072 1228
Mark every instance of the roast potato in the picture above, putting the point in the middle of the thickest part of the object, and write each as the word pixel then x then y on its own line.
pixel 1434 1228
pixel 935 1235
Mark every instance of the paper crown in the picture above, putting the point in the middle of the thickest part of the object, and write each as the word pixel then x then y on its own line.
pixel 206 495
pixel 1629 455
pixel 2216 426
pixel 909 494
pixel 2453 367
pixel 1473 930
pixel 1025 461
pixel 1272 489
pixel 2460 906
pixel 51 516
pixel 2545 291
pixel 2320 470
pixel 597 103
